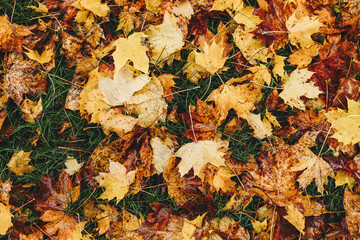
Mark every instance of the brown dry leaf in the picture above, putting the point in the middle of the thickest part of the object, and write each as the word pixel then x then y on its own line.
pixel 197 154
pixel 167 81
pixel 19 163
pixel 238 201
pixel 116 182
pixel 351 206
pixel 128 19
pixel 11 35
pixel 53 199
pixel 237 96
pixel 31 110
pixel 71 46
pixel 23 76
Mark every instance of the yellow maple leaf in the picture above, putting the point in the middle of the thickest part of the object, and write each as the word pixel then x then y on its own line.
pixel 279 66
pixel 296 86
pixel 165 39
pixel 19 163
pixel 232 95
pixel 45 57
pixel 259 226
pixel 211 58
pixel 342 178
pixel 131 49
pixel 162 153
pixel 295 217
pixel 114 120
pixel 252 47
pixel 262 128
pixel 303 57
pixel 95 6
pixel 183 8
pixel 5 219
pixel 197 154
pixel 189 227
pixel 116 182
pixel 346 124
pixel 261 74
pixel 40 9
pixel 300 30
pixel 315 168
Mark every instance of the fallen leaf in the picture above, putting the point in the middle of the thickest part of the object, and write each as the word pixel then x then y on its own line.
pixel 242 98
pixel 95 6
pixel 12 35
pixel 211 58
pixel 5 219
pixel 165 39
pixel 72 165
pixel 259 226
pixel 41 8
pixel 295 217
pixel 351 206
pixel 45 57
pixel 116 182
pixel 262 128
pixel 341 120
pixel 303 57
pixel 300 30
pixel 31 110
pixel 23 76
pixel 19 163
pixel 296 86
pixel 197 154
pixel 162 152
pixel 131 49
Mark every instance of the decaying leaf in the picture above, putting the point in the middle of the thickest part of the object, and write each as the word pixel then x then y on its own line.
pixel 31 110
pixel 11 35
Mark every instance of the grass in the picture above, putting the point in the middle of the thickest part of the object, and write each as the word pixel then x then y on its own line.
pixel 81 138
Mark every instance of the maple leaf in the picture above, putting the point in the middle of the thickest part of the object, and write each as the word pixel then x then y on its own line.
pixel 279 66
pixel 131 49
pixel 45 57
pixel 165 39
pixel 114 120
pixel 183 8
pixel 162 152
pixel 300 30
pixel 31 110
pixel 262 128
pixel 303 57
pixel 119 90
pixel 261 74
pixel 11 35
pixel 211 58
pixel 297 86
pixel 72 165
pixel 116 182
pixel 233 95
pixel 341 120
pixel 192 70
pixel 197 154
pixel 23 77
pixel 19 163
pixel 95 6
pixel 295 217
pixel 41 8
pixel 315 167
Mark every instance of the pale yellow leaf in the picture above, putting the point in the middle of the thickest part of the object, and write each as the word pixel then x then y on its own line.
pixel 272 119
pixel 183 8
pixel 161 153
pixel 197 154
pixel 19 163
pixel 5 219
pixel 119 90
pixel 261 74
pixel 262 128
pixel 279 66
pixel 296 86
pixel 303 57
pixel 153 5
pixel 343 178
pixel 72 165
pixel 295 217
pixel 259 226
pixel 346 124
pixel 115 121
pixel 40 9
pixel 165 39
pixel 189 227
